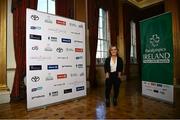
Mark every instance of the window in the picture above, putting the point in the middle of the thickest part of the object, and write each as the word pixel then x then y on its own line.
pixel 103 37
pixel 133 55
pixel 47 6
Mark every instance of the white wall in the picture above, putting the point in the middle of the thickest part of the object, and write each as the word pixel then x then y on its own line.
pixel 11 65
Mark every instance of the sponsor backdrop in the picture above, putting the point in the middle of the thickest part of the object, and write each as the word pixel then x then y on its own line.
pixel 157 57
pixel 55 55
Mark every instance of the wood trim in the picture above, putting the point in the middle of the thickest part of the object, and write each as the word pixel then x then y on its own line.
pixel 11 69
pixel 172 6
pixel 3 44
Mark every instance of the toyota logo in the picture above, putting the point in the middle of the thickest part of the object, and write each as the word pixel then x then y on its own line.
pixel 34 17
pixel 59 50
pixel 35 79
pixel 35 48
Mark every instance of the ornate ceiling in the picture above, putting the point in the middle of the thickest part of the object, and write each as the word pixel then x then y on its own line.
pixel 144 3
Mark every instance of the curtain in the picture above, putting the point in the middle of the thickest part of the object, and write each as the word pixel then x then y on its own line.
pixel 127 34
pixel 113 20
pixel 19 34
pixel 112 7
pixel 65 8
pixel 93 15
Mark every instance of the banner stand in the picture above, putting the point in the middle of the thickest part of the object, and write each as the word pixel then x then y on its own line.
pixel 57 103
pixel 157 57
pixel 157 99
pixel 55 59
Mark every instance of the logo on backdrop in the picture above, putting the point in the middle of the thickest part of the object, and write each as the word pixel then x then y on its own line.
pixel 55 93
pixel 74 74
pixel 60 84
pixel 67 91
pixel 63 58
pixel 35 67
pixel 65 40
pixel 79 57
pixel 35 17
pixel 35 37
pixel 78 49
pixel 49 77
pixel 69 50
pixel 48 48
pixel 162 92
pixel 79 65
pixel 59 50
pixel 81 26
pixel 78 41
pixel 154 40
pixel 82 74
pixel 66 66
pixel 35 78
pixel 53 39
pixel 40 58
pixel 61 76
pixel 61 22
pixel 76 82
pixel 151 85
pixel 80 88
pixel 36 89
pixel 72 25
pixel 159 85
pixel 35 48
pixel 52 67
pixel 155 91
pixel 35 27
pixel 48 20
pixel 57 30
pixel 76 33
pixel 38 96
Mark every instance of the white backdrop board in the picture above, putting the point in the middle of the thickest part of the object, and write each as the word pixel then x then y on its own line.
pixel 55 59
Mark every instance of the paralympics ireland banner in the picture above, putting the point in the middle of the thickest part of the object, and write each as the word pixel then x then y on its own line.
pixel 157 57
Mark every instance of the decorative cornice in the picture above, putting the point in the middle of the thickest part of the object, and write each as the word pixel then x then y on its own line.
pixel 144 3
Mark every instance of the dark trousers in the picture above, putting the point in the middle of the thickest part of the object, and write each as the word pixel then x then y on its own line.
pixel 114 81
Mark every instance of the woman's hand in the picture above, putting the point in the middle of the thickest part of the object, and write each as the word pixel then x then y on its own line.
pixel 119 75
pixel 107 75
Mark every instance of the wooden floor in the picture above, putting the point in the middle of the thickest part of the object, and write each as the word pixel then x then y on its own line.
pixel 131 105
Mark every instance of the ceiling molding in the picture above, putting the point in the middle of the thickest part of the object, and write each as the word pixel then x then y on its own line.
pixel 144 3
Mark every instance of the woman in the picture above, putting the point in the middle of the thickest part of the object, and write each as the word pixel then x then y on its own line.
pixel 113 68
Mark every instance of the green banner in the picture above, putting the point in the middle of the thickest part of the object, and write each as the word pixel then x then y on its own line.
pixel 157 49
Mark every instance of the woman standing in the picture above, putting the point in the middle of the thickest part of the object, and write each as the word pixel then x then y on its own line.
pixel 113 68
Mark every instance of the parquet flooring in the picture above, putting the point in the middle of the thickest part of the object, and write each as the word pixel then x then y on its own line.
pixel 131 104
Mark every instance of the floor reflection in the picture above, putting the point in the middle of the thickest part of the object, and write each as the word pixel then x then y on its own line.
pixel 101 111
pixel 131 104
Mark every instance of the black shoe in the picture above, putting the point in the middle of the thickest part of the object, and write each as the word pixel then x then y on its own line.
pixel 115 102
pixel 107 103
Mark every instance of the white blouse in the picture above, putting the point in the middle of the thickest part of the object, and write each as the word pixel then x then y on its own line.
pixel 113 65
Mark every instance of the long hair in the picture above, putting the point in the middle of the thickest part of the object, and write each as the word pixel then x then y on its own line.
pixel 111 48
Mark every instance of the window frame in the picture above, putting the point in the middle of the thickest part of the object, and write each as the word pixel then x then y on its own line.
pixel 47 6
pixel 133 43
pixel 103 53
